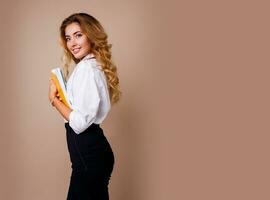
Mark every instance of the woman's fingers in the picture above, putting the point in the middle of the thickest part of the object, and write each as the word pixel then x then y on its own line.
pixel 53 90
pixel 58 96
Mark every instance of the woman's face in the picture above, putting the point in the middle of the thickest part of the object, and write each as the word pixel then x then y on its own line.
pixel 77 42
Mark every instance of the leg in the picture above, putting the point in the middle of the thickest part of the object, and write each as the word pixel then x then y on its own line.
pixel 88 186
pixel 77 187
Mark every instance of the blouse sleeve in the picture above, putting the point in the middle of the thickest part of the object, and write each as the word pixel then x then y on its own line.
pixel 86 98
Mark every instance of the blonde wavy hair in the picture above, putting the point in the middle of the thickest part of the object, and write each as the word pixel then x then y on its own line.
pixel 99 47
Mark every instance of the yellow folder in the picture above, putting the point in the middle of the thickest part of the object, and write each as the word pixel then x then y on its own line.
pixel 59 81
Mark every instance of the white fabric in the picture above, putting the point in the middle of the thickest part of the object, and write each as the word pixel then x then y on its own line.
pixel 88 94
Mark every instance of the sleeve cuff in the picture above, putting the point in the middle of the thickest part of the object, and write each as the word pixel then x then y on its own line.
pixel 77 123
pixel 71 123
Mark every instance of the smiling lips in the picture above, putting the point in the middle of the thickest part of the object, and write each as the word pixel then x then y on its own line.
pixel 76 50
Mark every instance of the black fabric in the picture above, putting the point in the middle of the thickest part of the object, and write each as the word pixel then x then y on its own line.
pixel 92 163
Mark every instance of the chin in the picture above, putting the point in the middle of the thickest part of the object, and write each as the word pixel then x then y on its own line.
pixel 79 57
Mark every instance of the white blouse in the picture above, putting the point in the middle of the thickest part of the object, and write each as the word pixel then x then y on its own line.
pixel 88 94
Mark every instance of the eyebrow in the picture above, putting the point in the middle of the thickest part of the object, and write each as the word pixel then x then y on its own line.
pixel 73 33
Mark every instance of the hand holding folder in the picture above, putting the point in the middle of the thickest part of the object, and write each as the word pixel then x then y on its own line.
pixel 60 83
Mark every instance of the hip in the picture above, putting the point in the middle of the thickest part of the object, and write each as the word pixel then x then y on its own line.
pixel 90 146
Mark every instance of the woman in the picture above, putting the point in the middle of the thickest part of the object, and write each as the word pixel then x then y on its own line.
pixel 92 88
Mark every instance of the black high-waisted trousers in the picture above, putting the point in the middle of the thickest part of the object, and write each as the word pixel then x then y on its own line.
pixel 92 163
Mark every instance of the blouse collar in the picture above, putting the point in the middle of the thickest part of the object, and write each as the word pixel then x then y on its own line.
pixel 88 56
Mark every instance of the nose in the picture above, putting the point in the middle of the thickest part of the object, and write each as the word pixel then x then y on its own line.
pixel 72 42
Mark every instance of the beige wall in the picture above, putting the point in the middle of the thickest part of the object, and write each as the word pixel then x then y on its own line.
pixel 194 119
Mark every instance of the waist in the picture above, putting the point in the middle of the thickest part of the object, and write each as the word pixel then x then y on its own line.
pixel 93 125
pixel 92 128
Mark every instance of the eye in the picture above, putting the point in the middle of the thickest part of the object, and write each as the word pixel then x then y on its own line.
pixel 67 39
pixel 78 35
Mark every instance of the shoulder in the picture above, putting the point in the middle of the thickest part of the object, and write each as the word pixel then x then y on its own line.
pixel 88 65
pixel 89 69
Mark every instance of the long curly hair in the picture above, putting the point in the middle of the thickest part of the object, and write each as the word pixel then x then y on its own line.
pixel 99 47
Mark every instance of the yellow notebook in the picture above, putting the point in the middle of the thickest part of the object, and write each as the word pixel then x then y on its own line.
pixel 60 83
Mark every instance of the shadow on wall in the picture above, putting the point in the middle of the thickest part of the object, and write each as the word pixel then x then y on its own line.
pixel 128 153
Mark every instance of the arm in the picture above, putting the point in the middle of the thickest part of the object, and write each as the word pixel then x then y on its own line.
pixel 86 98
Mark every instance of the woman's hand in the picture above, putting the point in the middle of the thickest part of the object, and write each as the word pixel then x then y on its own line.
pixel 56 101
pixel 52 90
